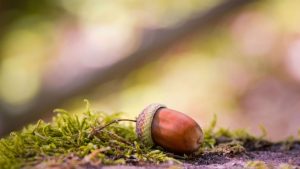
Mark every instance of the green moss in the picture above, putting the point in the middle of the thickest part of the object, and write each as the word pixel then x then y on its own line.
pixel 241 139
pixel 228 148
pixel 209 134
pixel 70 133
pixel 74 139
pixel 288 143
pixel 256 165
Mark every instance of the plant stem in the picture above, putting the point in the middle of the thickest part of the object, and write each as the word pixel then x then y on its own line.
pixel 108 124
pixel 114 121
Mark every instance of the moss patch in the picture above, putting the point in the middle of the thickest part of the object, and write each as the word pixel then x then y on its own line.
pixel 71 136
pixel 81 140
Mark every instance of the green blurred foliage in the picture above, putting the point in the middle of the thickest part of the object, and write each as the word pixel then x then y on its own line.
pixel 16 9
pixel 218 71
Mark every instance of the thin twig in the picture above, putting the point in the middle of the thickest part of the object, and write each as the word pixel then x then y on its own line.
pixel 97 130
pixel 112 122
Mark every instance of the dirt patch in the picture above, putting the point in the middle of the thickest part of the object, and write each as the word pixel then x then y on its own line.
pixel 274 155
pixel 266 156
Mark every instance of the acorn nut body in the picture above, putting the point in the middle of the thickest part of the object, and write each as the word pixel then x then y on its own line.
pixel 170 129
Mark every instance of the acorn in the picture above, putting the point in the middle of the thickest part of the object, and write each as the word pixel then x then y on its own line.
pixel 170 129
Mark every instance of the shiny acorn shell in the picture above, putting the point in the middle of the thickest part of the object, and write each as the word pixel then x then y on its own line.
pixel 170 129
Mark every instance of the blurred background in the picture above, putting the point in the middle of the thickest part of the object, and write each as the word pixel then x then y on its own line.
pixel 239 61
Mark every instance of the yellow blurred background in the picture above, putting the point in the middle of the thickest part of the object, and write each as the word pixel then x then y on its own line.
pixel 245 68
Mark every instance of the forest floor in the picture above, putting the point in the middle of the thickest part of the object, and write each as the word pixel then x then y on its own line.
pixel 270 156
pixel 80 141
pixel 253 155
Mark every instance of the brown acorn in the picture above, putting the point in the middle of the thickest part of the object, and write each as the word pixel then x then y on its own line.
pixel 170 129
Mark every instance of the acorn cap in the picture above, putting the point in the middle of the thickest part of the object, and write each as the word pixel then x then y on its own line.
pixel 144 123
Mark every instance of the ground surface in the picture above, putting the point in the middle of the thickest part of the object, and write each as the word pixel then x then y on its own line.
pixel 268 156
pixel 93 140
pixel 261 156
